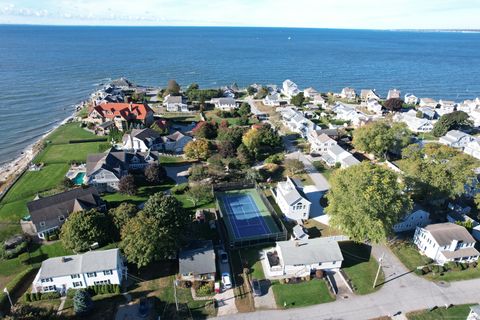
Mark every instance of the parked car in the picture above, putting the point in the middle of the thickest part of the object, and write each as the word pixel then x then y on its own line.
pixel 143 308
pixel 227 283
pixel 223 256
pixel 257 289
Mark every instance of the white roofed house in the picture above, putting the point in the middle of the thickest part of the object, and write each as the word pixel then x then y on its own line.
pixel 410 99
pixel 296 122
pixel 374 106
pixel 473 148
pixel 175 142
pixel 428 102
pixel 336 154
pixel 456 139
pixel 310 92
pixel 290 88
pixel 417 125
pixel 291 200
pixel 445 242
pixel 393 94
pixel 417 217
pixel 175 104
pixel 347 113
pixel 319 142
pixel 225 104
pixel 301 258
pixel 348 93
pixel 318 100
pixel 272 99
pixel 368 94
pixel 141 140
pixel 80 271
pixel 446 107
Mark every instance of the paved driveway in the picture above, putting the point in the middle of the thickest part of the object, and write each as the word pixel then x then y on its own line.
pixel 402 291
pixel 320 182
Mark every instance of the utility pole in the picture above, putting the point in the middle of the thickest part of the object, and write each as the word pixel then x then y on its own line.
pixel 378 271
pixel 8 295
pixel 175 293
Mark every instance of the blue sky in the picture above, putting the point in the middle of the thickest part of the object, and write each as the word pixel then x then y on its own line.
pixel 356 14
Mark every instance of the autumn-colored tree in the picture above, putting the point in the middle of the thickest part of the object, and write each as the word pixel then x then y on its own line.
pixel 197 149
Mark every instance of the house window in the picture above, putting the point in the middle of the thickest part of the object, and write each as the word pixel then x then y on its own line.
pixel 47 280
pixel 75 276
pixel 91 274
pixel 334 262
pixel 77 284
pixel 50 288
pixel 107 272
pixel 101 282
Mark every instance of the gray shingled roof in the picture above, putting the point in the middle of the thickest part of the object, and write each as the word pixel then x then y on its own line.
pixel 197 258
pixel 310 251
pixel 91 261
pixel 444 233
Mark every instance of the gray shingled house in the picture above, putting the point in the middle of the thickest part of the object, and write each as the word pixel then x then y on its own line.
pixel 197 261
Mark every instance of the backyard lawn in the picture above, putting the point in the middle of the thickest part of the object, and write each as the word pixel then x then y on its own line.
pixel 301 294
pixel 65 153
pixel 324 169
pixel 408 254
pixel 252 258
pixel 317 229
pixel 360 266
pixel 69 131
pixel 455 312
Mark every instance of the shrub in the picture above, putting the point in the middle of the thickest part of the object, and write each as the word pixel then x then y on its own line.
pixel 287 280
pixel 33 297
pixel 435 268
pixel 205 290
pixel 71 293
pixel 82 303
pixel 116 288
pixel 96 289
pixel 38 296
pixel 180 189
pixel 419 272
pixel 308 278
pixel 426 270
pixel 282 281
pixel 51 295
pixel 24 258
pixel 27 297
pixel 276 158
pixel 319 274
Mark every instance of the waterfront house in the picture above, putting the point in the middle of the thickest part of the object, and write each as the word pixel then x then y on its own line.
pixel 320 142
pixel 428 113
pixel 374 106
pixel 225 104
pixel 48 214
pixel 175 142
pixel 393 94
pixel 176 104
pixel 104 170
pixel 417 125
pixel 319 100
pixel 368 94
pixel 445 242
pixel 348 93
pixel 411 99
pixel 417 217
pixel 80 271
pixel 290 88
pixel 473 148
pixel 291 200
pixel 122 114
pixel 428 102
pixel 141 140
pixel 196 262
pixel 336 154
pixel 301 258
pixel 456 139
pixel 310 92
pixel 272 100
pixel 123 83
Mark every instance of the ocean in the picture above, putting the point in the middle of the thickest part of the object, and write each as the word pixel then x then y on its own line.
pixel 45 70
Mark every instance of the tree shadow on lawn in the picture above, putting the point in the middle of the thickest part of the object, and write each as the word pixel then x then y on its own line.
pixel 354 253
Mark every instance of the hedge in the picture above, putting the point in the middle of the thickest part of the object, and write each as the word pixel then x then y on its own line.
pixel 13 286
pixel 88 140
pixel 97 290
pixel 13 253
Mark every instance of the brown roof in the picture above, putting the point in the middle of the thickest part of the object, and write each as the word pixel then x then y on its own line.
pixel 444 233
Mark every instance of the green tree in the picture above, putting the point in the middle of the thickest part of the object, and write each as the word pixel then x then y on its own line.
pixel 394 104
pixel 419 114
pixel 365 201
pixel 232 134
pixel 127 185
pixel 154 173
pixel 197 193
pixel 261 140
pixel 298 100
pixel 451 121
pixel 83 228
pixel 294 167
pixel 122 214
pixel 244 109
pixel 197 149
pixel 173 88
pixel 251 90
pixel 244 155
pixel 226 149
pixel 82 302
pixel 115 135
pixel 205 130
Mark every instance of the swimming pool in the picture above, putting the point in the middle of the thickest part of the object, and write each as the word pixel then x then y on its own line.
pixel 78 180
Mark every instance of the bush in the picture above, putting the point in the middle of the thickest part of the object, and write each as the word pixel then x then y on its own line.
pixel 426 270
pixel 116 289
pixel 180 189
pixel 71 293
pixel 282 281
pixel 82 303
pixel 419 272
pixel 33 297
pixel 24 258
pixel 51 295
pixel 205 289
pixel 13 253
pixel 27 297
pixel 435 268
pixel 276 158
pixel 38 296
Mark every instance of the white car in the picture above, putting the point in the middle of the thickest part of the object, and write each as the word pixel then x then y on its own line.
pixel 227 284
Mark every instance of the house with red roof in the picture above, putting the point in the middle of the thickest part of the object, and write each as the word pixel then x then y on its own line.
pixel 122 114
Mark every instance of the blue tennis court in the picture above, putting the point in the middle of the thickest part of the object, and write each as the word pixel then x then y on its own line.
pixel 244 215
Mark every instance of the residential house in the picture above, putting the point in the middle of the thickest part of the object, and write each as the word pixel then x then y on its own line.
pixel 417 125
pixel 310 92
pixel 368 94
pixel 175 142
pixel 319 100
pixel 80 271
pixel 301 258
pixel 225 104
pixel 336 154
pixel 319 143
pixel 196 262
pixel 447 104
pixel 142 140
pixel 348 93
pixel 122 114
pixel 290 88
pixel 291 200
pixel 415 218
pixel 456 139
pixel 428 113
pixel 296 122
pixel 48 214
pixel 349 114
pixel 411 99
pixel 176 104
pixel 123 83
pixel 445 242
pixel 473 148
pixel 104 170
pixel 272 99
pixel 332 133
pixel 393 94
pixel 428 102
pixel 374 106
pixel 105 128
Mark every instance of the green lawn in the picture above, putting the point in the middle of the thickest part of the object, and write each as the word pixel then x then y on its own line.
pixel 324 169
pixel 144 192
pixel 69 131
pixel 456 312
pixel 457 275
pixel 64 153
pixel 301 294
pixel 360 266
pixel 408 254
pixel 166 160
pixel 252 257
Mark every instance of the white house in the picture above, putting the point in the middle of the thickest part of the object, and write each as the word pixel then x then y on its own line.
pixel 310 92
pixel 141 140
pixel 290 88
pixel 347 113
pixel 447 104
pixel 336 154
pixel 319 100
pixel 428 102
pixel 319 143
pixel 225 104
pixel 415 124
pixel 175 142
pixel 473 148
pixel 301 258
pixel 80 271
pixel 272 99
pixel 445 242
pixel 416 218
pixel 374 106
pixel 393 94
pixel 175 104
pixel 456 139
pixel 368 94
pixel 348 93
pixel 291 200
pixel 410 99
pixel 296 122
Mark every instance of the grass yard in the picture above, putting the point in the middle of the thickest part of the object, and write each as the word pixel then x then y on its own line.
pixel 115 199
pixel 457 275
pixel 316 229
pixel 69 131
pixel 64 153
pixel 251 257
pixel 171 160
pixel 360 266
pixel 301 294
pixel 408 254
pixel 324 169
pixel 456 312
